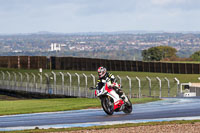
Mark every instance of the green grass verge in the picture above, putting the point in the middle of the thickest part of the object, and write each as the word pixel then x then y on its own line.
pixel 187 62
pixel 6 98
pixel 52 105
pixel 45 105
pixel 107 126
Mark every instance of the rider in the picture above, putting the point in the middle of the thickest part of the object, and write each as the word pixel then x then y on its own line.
pixel 109 78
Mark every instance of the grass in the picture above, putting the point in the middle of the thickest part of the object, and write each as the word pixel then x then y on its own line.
pixel 45 105
pixel 191 62
pixel 6 98
pixel 52 105
pixel 107 126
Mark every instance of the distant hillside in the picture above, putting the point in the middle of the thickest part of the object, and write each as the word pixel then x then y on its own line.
pixel 111 45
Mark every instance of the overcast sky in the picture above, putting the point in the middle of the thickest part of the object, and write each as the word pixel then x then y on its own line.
pixel 69 16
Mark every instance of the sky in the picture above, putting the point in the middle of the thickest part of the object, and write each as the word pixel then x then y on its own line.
pixel 72 16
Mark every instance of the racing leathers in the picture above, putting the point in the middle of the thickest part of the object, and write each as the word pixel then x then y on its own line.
pixel 111 82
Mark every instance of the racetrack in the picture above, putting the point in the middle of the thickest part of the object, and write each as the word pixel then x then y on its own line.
pixel 165 110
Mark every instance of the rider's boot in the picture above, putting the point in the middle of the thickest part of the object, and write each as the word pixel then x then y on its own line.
pixel 121 93
pixel 118 91
pixel 123 96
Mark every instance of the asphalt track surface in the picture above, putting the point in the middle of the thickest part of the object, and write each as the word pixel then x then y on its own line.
pixel 164 110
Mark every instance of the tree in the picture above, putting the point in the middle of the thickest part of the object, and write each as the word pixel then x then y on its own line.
pixel 158 53
pixel 196 56
pixel 167 51
pixel 145 55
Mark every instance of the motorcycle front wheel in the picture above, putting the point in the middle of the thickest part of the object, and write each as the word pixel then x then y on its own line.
pixel 128 107
pixel 107 105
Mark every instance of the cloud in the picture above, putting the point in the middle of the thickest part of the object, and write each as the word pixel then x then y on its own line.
pixel 107 6
pixel 167 2
pixel 177 4
pixel 98 15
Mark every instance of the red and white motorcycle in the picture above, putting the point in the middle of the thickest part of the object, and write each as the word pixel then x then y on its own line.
pixel 111 102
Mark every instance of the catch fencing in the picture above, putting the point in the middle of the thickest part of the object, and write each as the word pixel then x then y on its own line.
pixel 77 84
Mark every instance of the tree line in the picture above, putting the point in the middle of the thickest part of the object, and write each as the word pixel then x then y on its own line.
pixel 166 53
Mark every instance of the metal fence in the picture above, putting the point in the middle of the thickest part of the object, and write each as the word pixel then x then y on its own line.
pixel 24 62
pixel 74 84
pixel 91 64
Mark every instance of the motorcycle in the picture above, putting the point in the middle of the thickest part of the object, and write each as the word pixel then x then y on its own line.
pixel 111 102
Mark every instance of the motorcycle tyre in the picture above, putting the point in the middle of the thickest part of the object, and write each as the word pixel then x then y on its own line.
pixel 128 107
pixel 105 105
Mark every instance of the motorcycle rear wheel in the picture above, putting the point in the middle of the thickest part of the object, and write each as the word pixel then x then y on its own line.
pixel 128 107
pixel 107 105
